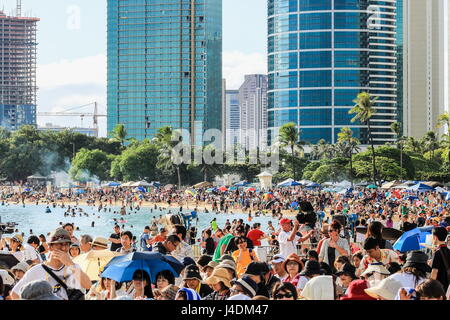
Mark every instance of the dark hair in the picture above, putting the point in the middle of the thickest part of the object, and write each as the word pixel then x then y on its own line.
pixel 180 229
pixel 343 260
pixel 441 233
pixel 147 228
pixel 173 238
pixel 239 239
pixel 68 224
pixel 371 243
pixel 374 230
pixel 393 267
pixel 208 232
pixel 127 233
pixel 336 225
pixel 431 289
pixel 284 286
pixel 358 255
pixel 142 275
pixel 166 274
pixel 42 236
pixel 313 254
pixel 33 239
pixel 204 260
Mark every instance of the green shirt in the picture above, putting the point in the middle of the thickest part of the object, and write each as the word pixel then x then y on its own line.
pixel 225 240
pixel 214 225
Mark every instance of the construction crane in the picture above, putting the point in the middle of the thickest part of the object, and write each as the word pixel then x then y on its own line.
pixel 82 115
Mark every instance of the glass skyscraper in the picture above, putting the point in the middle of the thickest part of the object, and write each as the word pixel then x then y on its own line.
pixel 321 54
pixel 164 65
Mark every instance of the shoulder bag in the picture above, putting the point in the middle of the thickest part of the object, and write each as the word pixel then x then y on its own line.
pixel 72 294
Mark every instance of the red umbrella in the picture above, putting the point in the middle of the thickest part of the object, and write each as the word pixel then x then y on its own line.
pixel 251 190
pixel 223 189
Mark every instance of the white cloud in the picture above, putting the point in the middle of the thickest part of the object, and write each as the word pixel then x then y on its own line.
pixel 86 70
pixel 237 64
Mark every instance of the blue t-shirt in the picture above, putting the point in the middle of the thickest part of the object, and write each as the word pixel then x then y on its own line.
pixel 144 238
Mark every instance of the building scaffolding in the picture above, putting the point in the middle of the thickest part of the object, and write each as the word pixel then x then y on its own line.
pixel 18 46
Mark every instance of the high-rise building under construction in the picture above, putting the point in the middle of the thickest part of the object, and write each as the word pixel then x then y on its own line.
pixel 17 71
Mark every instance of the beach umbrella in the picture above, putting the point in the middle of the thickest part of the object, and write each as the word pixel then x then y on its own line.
pixel 241 183
pixel 420 187
pixel 191 192
pixel 141 183
pixel 203 184
pixel 140 189
pixel 408 241
pixel 251 189
pixel 289 183
pixel 313 185
pixel 168 187
pixel 411 198
pixel 94 261
pixel 211 190
pixel 223 189
pixel 122 268
pixel 391 234
pixel 111 184
pixel 233 188
pixel 7 261
pixel 294 204
pixel 372 186
pixel 447 197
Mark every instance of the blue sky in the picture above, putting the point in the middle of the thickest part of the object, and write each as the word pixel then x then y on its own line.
pixel 72 49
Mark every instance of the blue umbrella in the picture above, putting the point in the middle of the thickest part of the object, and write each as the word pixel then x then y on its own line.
pixel 409 241
pixel 411 198
pixel 113 184
pixel 241 183
pixel 420 187
pixel 447 197
pixel 141 189
pixel 122 268
pixel 294 204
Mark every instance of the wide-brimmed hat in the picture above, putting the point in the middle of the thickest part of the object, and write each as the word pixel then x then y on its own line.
pixel 312 267
pixel 60 235
pixel 18 238
pixel 225 257
pixel 211 264
pixel 218 275
pixel 192 272
pixel 249 286
pixel 417 259
pixel 22 266
pixel 228 264
pixel 100 242
pixel 6 277
pixel 293 257
pixel 376 267
pixel 38 290
pixel 387 288
pixel 278 258
pixel 356 291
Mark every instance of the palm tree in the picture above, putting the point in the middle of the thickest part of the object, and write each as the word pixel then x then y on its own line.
pixel 163 140
pixel 364 111
pixel 290 137
pixel 413 145
pixel 120 134
pixel 430 142
pixel 444 120
pixel 350 144
pixel 397 129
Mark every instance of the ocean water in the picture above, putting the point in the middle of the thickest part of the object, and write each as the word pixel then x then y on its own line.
pixel 35 218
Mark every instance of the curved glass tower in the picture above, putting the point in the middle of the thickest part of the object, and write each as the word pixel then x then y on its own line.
pixel 322 53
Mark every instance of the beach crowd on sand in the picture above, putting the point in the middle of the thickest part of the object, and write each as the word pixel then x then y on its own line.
pixel 358 245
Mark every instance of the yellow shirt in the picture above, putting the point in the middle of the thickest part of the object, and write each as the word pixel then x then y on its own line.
pixel 246 259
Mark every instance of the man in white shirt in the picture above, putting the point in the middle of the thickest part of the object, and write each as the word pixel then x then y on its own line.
pixel 31 255
pixel 288 237
pixel 183 250
pixel 60 264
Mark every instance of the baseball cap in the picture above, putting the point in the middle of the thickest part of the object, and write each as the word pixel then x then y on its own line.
pixel 285 221
pixel 278 258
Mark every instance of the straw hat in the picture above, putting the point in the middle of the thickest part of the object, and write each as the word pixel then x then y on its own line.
pixel 211 264
pixel 100 242
pixel 219 274
pixel 170 292
pixel 18 238
pixel 228 264
pixel 387 288
pixel 293 257
pixel 22 266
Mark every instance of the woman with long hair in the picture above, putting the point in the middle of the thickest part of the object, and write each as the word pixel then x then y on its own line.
pixel 375 230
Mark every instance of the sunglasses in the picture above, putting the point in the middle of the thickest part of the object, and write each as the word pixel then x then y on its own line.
pixel 286 295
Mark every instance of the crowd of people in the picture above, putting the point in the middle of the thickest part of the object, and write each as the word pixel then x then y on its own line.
pixel 339 254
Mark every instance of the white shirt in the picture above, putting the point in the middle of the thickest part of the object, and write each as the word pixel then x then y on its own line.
pixel 287 247
pixel 66 274
pixel 407 279
pixel 182 251
pixel 31 253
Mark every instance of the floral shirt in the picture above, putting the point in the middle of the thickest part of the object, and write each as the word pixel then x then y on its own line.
pixel 387 256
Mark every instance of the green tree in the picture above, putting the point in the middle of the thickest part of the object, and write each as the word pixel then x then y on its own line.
pixel 350 145
pixel 290 137
pixel 364 111
pixel 90 165
pixel 430 143
pixel 137 162
pixel 120 134
pixel 444 120
pixel 397 129
pixel 387 169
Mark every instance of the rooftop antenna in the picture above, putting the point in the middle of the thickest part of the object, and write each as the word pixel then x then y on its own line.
pixel 19 8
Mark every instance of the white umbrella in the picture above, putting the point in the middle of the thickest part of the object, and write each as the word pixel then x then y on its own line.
pixel 142 183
